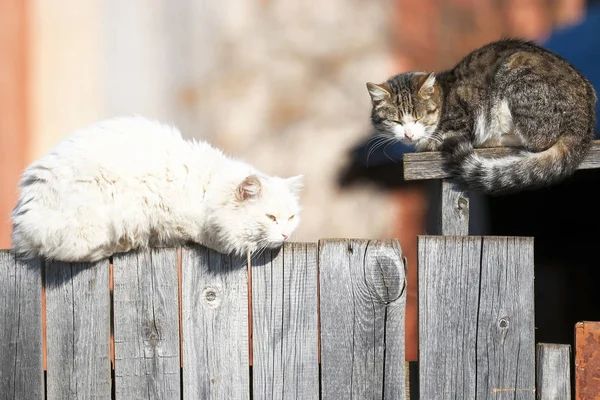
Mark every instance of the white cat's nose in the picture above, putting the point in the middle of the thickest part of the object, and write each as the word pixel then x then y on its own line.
pixel 284 236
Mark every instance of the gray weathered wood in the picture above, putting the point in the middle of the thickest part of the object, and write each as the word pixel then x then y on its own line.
pixel 476 318
pixel 285 323
pixel 428 165
pixel 454 209
pixel 362 304
pixel 215 326
pixel 21 369
pixel 146 325
pixel 553 371
pixel 78 331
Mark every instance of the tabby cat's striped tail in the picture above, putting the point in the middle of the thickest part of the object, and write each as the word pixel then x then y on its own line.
pixel 524 170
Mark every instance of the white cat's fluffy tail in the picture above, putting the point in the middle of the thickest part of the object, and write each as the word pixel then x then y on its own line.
pixel 41 230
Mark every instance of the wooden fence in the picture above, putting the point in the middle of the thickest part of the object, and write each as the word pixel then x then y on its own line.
pixel 308 321
pixel 327 322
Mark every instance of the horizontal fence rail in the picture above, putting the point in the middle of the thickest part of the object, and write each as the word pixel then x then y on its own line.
pixel 430 165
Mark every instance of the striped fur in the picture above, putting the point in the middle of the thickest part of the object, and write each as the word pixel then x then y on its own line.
pixel 507 93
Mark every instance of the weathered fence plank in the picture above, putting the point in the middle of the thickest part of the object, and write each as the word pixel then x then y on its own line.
pixel 362 295
pixel 587 360
pixel 476 320
pixel 215 326
pixel 429 165
pixel 454 209
pixel 78 331
pixel 146 327
pixel 21 369
pixel 553 371
pixel 285 323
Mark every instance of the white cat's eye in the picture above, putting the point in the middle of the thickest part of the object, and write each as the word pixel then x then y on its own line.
pixel 291 218
pixel 271 217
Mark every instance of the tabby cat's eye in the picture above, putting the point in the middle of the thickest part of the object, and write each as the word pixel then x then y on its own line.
pixel 417 119
pixel 291 218
pixel 271 217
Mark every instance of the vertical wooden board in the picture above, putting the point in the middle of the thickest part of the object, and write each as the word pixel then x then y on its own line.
pixel 454 209
pixel 215 326
pixel 587 360
pixel 448 276
pixel 476 322
pixel 21 369
pixel 506 328
pixel 285 324
pixel 146 327
pixel 553 371
pixel 78 330
pixel 362 305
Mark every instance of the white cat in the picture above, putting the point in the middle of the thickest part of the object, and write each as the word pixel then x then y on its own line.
pixel 129 182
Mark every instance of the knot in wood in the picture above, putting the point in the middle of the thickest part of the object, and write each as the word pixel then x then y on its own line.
pixel 503 322
pixel 151 333
pixel 463 203
pixel 211 296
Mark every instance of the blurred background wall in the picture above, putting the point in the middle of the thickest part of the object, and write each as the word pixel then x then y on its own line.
pixel 279 83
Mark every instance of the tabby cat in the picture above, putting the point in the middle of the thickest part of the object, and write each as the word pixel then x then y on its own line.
pixel 507 93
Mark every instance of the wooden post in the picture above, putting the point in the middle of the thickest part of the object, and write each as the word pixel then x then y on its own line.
pixel 454 209
pixel 21 369
pixel 476 317
pixel 285 323
pixel 553 371
pixel 363 296
pixel 78 330
pixel 454 205
pixel 215 325
pixel 146 325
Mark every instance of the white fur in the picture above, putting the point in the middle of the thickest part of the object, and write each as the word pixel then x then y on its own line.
pixel 500 130
pixel 126 183
pixel 410 131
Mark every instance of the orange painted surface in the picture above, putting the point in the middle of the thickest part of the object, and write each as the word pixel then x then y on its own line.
pixel 13 99
pixel 412 208
pixel 587 360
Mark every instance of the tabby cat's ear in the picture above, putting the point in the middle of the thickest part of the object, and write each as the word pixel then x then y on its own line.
pixel 378 92
pixel 427 87
pixel 249 188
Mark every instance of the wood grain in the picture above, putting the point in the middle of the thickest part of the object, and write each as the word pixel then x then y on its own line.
pixel 454 209
pixel 362 304
pixel 428 165
pixel 146 325
pixel 553 371
pixel 285 323
pixel 21 369
pixel 215 326
pixel 476 317
pixel 78 331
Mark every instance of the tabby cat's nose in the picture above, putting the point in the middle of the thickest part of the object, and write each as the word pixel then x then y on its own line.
pixel 408 135
pixel 284 236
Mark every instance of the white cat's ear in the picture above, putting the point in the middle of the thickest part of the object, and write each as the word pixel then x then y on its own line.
pixel 427 87
pixel 249 188
pixel 378 92
pixel 296 183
